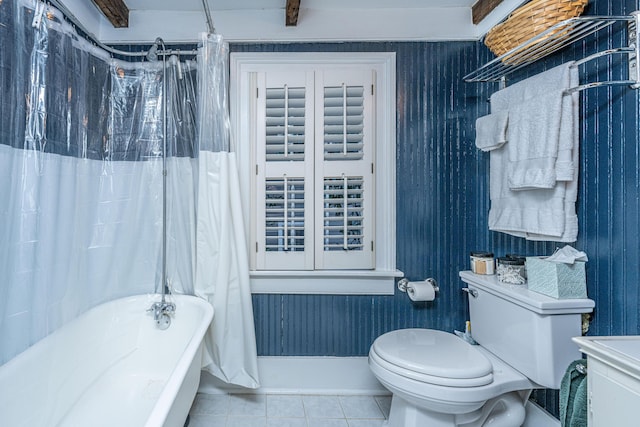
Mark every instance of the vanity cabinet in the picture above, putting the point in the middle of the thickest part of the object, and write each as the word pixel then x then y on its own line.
pixel 613 380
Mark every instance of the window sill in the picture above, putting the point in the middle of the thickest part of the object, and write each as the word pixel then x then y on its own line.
pixel 333 282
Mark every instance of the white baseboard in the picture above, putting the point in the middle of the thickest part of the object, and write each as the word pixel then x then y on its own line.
pixel 305 375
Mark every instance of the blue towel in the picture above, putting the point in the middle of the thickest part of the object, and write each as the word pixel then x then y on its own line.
pixel 573 396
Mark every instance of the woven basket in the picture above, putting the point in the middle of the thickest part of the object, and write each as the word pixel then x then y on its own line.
pixel 530 20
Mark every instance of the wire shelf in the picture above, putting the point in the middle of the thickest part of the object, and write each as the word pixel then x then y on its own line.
pixel 553 39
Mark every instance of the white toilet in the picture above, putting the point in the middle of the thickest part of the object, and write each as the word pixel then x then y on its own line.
pixel 438 379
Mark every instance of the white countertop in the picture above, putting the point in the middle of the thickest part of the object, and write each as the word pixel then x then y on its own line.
pixel 622 352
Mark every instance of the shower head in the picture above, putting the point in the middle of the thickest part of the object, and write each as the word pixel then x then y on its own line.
pixel 152 53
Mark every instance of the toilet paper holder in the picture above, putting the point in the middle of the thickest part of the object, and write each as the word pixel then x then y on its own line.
pixel 403 283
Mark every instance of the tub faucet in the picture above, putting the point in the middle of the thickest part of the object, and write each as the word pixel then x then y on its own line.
pixel 162 312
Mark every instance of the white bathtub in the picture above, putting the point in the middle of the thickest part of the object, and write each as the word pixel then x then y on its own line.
pixel 109 367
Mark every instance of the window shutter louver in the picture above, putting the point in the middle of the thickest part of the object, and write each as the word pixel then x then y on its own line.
pixel 284 215
pixel 284 181
pixel 344 183
pixel 285 123
pixel 343 122
pixel 343 214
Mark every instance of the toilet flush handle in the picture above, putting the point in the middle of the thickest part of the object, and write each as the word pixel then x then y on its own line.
pixel 471 292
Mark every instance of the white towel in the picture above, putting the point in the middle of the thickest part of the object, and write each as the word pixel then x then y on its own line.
pixel 540 84
pixel 541 87
pixel 536 214
pixel 534 131
pixel 491 131
pixel 520 213
pixel 570 232
pixel 567 162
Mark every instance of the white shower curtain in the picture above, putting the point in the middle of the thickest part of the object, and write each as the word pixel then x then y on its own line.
pixel 222 267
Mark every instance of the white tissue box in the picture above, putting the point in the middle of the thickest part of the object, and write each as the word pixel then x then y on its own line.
pixel 557 280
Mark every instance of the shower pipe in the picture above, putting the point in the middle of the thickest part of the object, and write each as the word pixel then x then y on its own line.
pixel 93 39
pixel 162 310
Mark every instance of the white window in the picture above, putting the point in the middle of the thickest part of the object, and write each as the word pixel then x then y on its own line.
pixel 315 137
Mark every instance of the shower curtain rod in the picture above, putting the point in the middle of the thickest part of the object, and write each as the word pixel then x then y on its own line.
pixel 93 39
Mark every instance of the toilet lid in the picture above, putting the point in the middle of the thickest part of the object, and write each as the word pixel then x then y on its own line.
pixel 435 354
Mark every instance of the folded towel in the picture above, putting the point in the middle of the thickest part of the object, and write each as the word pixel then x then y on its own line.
pixel 569 140
pixel 534 133
pixel 569 152
pixel 491 131
pixel 524 213
pixel 540 84
pixel 570 232
pixel 573 396
pixel 547 214
pixel 541 119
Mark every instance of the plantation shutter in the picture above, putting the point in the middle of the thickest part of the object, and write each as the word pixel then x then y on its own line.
pixel 344 183
pixel 314 187
pixel 284 171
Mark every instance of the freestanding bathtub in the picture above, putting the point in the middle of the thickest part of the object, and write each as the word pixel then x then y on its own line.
pixel 109 367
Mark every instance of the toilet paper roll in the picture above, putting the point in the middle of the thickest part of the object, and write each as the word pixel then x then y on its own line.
pixel 421 291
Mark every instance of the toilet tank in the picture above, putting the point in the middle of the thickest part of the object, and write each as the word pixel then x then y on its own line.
pixel 530 331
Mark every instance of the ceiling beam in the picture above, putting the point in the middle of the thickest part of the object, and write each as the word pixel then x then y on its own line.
pixel 291 12
pixel 116 12
pixel 482 8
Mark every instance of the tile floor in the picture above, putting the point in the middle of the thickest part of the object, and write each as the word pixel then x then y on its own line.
pixel 275 410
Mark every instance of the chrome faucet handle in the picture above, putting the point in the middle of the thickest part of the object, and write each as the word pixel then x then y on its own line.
pixel 169 307
pixel 153 308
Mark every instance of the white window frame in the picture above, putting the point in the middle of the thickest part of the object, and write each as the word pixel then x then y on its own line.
pixel 379 281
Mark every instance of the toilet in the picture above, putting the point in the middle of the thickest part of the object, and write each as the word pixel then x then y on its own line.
pixel 438 379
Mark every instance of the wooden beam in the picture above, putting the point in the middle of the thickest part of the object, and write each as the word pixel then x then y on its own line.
pixel 116 12
pixel 482 8
pixel 291 12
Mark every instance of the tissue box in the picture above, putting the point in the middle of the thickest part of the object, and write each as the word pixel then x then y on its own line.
pixel 557 280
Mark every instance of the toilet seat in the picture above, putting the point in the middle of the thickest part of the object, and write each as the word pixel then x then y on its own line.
pixel 433 357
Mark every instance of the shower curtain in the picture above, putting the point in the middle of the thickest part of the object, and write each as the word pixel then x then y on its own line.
pixel 222 269
pixel 81 204
pixel 81 144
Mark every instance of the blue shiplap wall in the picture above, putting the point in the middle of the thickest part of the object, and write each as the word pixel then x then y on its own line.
pixel 610 193
pixel 443 197
pixel 441 208
pixel 442 200
pixel 609 189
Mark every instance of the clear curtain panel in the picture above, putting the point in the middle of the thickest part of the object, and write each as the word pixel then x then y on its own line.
pixel 80 177
pixel 136 135
pixel 213 111
pixel 181 173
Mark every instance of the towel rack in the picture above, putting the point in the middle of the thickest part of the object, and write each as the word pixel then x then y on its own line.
pixel 561 35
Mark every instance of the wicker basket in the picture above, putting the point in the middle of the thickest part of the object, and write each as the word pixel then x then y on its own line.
pixel 530 20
